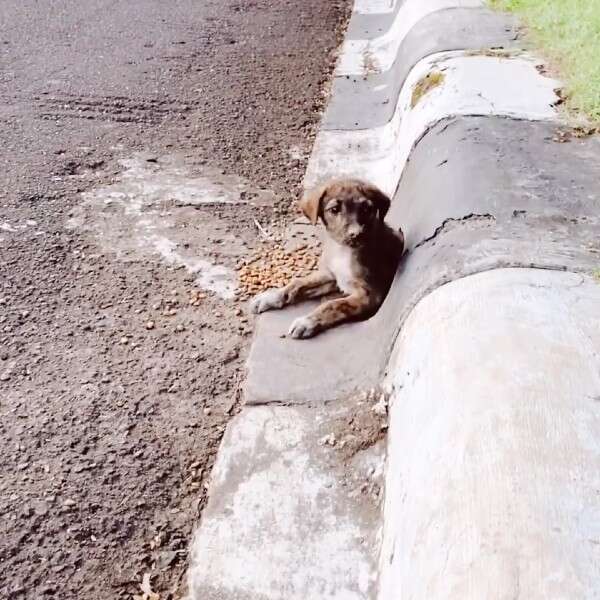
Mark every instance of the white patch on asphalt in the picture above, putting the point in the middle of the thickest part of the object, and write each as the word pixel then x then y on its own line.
pixel 383 50
pixel 472 85
pixel 216 278
pixel 150 209
pixel 8 227
pixel 296 153
pixel 18 227
pixel 173 182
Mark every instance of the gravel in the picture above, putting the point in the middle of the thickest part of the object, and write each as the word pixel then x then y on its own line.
pixel 115 391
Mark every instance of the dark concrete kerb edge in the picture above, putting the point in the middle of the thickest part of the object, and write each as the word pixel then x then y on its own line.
pixel 485 188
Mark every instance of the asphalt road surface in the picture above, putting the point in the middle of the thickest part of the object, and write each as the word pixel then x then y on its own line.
pixel 114 389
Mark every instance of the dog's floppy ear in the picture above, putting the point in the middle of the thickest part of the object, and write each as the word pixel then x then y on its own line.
pixel 381 200
pixel 311 202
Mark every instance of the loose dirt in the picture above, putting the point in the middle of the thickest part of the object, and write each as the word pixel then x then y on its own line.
pixel 121 346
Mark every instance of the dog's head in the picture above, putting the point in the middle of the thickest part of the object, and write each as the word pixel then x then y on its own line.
pixel 350 209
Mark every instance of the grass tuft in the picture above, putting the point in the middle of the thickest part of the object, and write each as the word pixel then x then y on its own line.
pixel 568 31
pixel 424 85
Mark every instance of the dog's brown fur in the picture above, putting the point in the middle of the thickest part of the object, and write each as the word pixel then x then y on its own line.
pixel 360 257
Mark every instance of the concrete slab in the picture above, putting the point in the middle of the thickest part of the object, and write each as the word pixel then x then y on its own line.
pixel 493 470
pixel 294 508
pixel 287 371
pixel 368 7
pixel 477 194
pixel 362 102
pixel 371 19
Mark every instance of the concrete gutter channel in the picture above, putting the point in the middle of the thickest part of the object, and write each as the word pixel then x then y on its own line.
pixel 488 347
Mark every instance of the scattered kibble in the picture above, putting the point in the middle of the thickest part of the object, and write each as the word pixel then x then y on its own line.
pixel 196 297
pixel 273 267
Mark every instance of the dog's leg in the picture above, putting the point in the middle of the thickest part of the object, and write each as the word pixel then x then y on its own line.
pixel 361 303
pixel 314 285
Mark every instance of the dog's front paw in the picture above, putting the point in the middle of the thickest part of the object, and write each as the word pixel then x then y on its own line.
pixel 302 328
pixel 273 298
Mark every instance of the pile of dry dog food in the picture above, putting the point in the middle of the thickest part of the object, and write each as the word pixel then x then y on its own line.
pixel 273 266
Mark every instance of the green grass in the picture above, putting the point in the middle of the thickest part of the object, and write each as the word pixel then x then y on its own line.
pixel 568 32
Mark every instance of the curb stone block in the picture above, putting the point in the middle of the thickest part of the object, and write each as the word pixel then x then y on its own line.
pixel 363 102
pixel 288 515
pixel 494 455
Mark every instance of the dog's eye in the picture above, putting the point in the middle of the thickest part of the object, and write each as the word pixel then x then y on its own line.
pixel 334 210
pixel 364 210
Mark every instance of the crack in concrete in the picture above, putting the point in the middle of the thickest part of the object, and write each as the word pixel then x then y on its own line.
pixel 446 222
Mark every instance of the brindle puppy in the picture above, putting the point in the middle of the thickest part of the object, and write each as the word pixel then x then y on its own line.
pixel 360 257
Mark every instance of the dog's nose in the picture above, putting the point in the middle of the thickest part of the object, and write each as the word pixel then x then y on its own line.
pixel 354 231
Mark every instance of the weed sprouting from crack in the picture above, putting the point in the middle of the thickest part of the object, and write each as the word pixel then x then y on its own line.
pixel 492 52
pixel 425 85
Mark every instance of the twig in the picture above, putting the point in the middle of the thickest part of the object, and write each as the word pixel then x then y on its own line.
pixel 261 230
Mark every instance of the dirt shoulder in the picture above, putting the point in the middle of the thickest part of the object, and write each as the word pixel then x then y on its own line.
pixel 116 379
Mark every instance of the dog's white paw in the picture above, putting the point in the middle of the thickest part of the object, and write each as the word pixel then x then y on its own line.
pixel 273 298
pixel 302 328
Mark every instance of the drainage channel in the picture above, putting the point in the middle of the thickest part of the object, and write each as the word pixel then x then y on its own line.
pixel 489 482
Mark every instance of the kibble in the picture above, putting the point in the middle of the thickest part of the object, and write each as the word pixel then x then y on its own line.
pixel 196 298
pixel 273 267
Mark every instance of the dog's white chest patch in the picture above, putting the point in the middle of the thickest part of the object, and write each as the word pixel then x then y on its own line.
pixel 340 265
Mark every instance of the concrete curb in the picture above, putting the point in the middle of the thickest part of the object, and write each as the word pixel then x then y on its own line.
pixel 471 84
pixel 362 102
pixel 479 185
pixel 290 516
pixel 493 465
pixel 359 57
pixel 375 7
